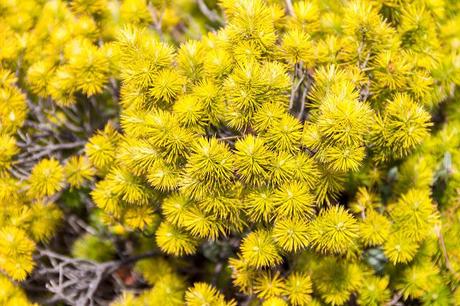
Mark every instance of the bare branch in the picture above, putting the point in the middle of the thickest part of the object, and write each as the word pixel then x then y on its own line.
pixel 294 91
pixel 230 137
pixel 395 300
pixel 298 71
pixel 17 173
pixel 157 19
pixel 305 91
pixel 289 7
pixel 212 16
pixel 302 102
pixel 442 246
pixel 41 151
pixel 76 281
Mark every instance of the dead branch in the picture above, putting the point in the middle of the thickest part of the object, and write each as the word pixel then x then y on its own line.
pixel 395 300
pixel 42 151
pixel 76 281
pixel 211 15
pixel 289 8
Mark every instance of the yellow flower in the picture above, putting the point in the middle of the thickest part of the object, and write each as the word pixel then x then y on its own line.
pixel 334 231
pixel 298 288
pixel 204 294
pixel 268 284
pixel 16 252
pixel 297 47
pixel 260 250
pixel 291 235
pixel 77 170
pixel 8 149
pixel 175 241
pixel 46 178
pixel 399 248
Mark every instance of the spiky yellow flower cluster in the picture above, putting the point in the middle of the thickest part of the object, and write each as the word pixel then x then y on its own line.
pixel 288 152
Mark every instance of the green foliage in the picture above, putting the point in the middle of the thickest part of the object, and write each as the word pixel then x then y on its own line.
pixel 93 248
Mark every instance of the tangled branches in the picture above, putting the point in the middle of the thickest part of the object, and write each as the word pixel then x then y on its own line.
pixel 78 281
